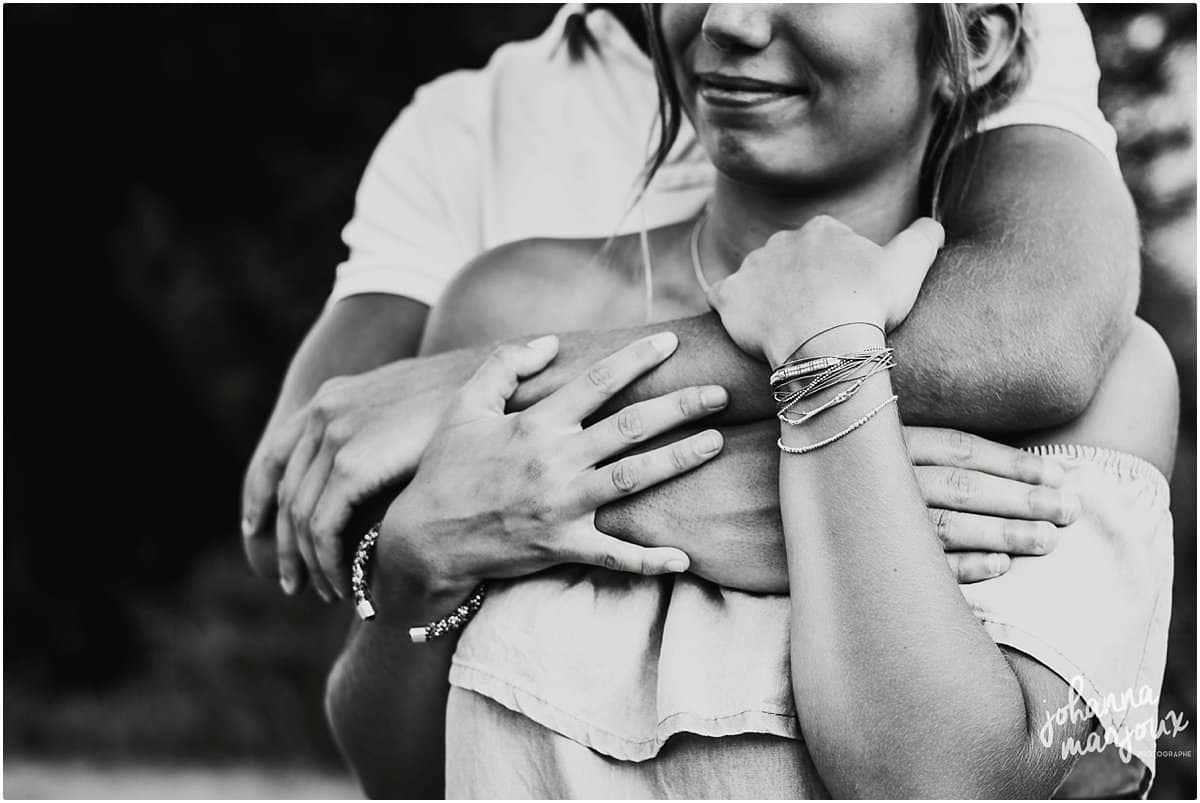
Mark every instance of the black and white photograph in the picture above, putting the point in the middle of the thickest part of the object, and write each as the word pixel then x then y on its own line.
pixel 600 401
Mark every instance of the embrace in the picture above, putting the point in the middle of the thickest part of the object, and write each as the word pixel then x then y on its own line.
pixel 780 457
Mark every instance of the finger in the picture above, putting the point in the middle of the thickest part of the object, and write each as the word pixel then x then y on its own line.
pixel 585 394
pixel 645 420
pixel 632 474
pixel 325 550
pixel 495 381
pixel 295 529
pixel 971 567
pixel 935 446
pixel 266 469
pixel 972 491
pixel 598 549
pixel 334 508
pixel 292 574
pixel 971 532
pixel 916 246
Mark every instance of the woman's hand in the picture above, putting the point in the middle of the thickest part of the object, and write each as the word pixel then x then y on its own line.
pixel 801 282
pixel 505 495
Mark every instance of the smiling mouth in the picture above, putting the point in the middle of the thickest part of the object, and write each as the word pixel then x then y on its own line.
pixel 735 91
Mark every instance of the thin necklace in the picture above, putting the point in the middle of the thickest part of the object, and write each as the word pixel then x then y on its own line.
pixel 697 266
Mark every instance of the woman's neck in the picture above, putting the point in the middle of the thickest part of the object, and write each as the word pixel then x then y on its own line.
pixel 741 218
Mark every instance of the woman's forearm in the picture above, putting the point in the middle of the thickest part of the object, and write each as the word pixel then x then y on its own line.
pixel 899 689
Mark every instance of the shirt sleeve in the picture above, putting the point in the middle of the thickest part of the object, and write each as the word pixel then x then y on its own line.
pixel 1095 610
pixel 416 212
pixel 1062 90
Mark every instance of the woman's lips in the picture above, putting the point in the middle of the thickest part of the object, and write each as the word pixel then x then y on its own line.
pixel 737 91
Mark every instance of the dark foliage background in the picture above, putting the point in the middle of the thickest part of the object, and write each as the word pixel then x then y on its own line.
pixel 176 181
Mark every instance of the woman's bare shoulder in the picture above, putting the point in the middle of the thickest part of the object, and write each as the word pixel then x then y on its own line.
pixel 527 287
pixel 1136 409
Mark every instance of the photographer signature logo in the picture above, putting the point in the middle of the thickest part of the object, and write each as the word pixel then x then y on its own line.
pixel 1081 707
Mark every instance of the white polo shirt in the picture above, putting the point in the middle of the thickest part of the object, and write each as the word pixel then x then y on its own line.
pixel 537 145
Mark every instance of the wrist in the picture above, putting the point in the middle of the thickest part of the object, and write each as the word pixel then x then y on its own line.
pixel 407 579
pixel 819 342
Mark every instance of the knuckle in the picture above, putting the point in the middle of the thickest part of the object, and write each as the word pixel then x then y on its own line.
pixel 1027 466
pixel 343 466
pixel 1013 535
pixel 611 561
pixel 630 425
pixel 624 476
pixel 338 431
pixel 1045 537
pixel 682 456
pixel 601 376
pixel 689 402
pixel 524 426
pixel 959 445
pixel 961 485
pixel 942 526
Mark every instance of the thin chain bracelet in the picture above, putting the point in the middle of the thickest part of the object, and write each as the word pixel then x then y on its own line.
pixel 802 416
pixel 455 620
pixel 812 447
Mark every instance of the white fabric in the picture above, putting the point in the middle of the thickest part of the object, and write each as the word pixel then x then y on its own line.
pixel 624 664
pixel 535 145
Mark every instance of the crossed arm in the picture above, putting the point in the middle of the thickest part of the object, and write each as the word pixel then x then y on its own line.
pixel 1015 326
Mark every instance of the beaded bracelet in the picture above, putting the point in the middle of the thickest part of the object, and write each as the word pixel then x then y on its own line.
pixel 455 620
pixel 812 447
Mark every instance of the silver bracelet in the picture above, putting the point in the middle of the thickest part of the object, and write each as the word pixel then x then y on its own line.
pixel 812 447
pixel 455 620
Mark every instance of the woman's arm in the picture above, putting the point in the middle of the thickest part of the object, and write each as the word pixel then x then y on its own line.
pixel 899 689
pixel 1062 294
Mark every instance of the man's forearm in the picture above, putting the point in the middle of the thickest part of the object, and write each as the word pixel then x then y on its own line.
pixel 724 514
pixel 1015 326
pixel 356 334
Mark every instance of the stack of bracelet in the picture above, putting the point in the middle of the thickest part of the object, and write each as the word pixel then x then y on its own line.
pixel 798 380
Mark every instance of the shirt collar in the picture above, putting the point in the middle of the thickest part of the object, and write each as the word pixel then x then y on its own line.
pixel 608 31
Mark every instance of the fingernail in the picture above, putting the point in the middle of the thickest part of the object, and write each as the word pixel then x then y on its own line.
pixel 664 342
pixel 998 563
pixel 676 565
pixel 538 343
pixel 288 584
pixel 709 442
pixel 248 528
pixel 714 398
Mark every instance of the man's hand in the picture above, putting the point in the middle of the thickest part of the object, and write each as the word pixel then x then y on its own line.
pixel 356 436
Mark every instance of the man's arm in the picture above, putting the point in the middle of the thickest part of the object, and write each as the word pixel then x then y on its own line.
pixel 1016 323
pixel 1014 329
pixel 356 334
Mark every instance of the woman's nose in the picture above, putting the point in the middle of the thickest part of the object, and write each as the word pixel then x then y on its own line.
pixel 737 26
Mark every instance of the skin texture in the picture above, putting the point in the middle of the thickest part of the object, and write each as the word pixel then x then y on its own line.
pixel 857 706
pixel 1071 277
